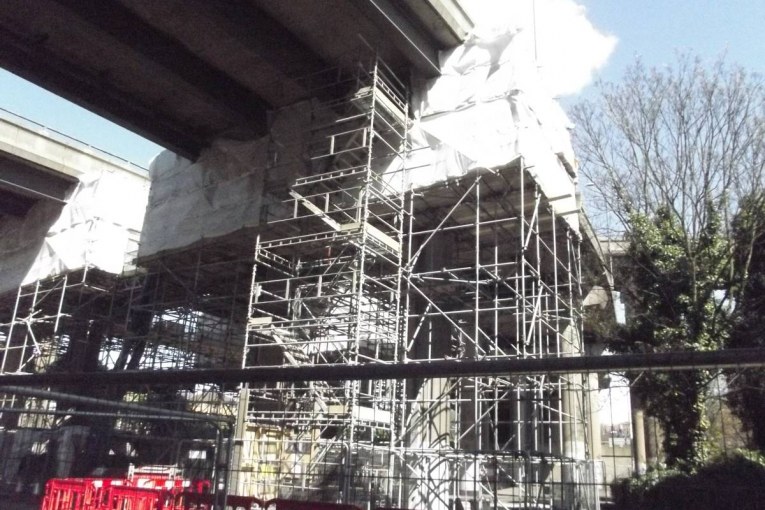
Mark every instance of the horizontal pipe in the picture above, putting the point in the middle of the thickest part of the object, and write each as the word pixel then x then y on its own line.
pixel 98 414
pixel 33 191
pixel 731 358
pixel 129 407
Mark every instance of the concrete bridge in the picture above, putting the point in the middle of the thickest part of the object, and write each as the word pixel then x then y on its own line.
pixel 182 73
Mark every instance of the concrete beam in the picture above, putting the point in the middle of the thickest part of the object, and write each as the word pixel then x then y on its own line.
pixel 444 18
pixel 122 24
pixel 186 73
pixel 240 40
pixel 420 47
pixel 34 61
pixel 263 34
pixel 27 180
pixel 32 145
pixel 14 204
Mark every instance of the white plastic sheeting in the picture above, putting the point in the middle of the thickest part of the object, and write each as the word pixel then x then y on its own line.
pixel 224 190
pixel 486 110
pixel 218 194
pixel 98 226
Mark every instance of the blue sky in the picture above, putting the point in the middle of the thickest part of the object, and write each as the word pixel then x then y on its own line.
pixel 651 29
pixel 38 105
pixel 654 30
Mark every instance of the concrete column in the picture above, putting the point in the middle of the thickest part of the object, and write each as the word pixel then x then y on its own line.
pixel 593 384
pixel 430 426
pixel 236 481
pixel 71 441
pixel 638 433
pixel 572 399
pixel 652 445
pixel 594 381
pixel 430 417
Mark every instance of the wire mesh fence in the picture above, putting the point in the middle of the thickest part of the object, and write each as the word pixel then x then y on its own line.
pixel 435 465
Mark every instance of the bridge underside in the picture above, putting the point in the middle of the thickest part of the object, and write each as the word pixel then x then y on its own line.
pixel 185 73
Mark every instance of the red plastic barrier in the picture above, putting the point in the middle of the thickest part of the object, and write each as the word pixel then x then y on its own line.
pixel 136 498
pixel 77 493
pixel 140 493
pixel 59 497
pixel 157 493
pixel 60 494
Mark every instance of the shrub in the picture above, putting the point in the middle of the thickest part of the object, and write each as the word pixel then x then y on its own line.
pixel 734 481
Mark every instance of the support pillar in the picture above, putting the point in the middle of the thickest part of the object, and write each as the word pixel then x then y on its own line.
pixel 638 433
pixel 572 400
pixel 593 384
pixel 651 440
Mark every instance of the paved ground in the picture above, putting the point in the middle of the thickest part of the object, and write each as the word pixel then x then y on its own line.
pixel 8 502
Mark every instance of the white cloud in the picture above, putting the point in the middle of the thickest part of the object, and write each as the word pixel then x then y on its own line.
pixel 569 49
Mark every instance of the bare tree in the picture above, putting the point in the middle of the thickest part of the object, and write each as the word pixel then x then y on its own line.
pixel 680 137
pixel 669 155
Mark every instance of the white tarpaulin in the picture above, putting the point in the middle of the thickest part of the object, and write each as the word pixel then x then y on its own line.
pixel 98 226
pixel 224 190
pixel 487 109
pixel 189 201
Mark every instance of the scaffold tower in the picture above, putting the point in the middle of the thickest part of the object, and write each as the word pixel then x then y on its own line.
pixel 493 273
pixel 327 290
pixel 353 267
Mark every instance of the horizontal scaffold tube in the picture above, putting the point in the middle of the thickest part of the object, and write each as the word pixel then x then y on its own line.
pixel 117 406
pixel 732 358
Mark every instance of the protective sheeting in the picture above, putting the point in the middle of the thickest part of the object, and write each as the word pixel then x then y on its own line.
pixel 219 194
pixel 487 109
pixel 97 227
pixel 225 190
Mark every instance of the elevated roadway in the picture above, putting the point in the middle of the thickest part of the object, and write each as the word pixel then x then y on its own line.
pixel 185 72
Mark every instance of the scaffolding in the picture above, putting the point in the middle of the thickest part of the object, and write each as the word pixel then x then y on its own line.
pixel 64 322
pixel 493 273
pixel 55 323
pixel 327 289
pixel 181 312
pixel 362 270
pixel 190 306
pixel 350 267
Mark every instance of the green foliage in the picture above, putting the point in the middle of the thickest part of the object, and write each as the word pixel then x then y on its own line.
pixel 671 283
pixel 734 481
pixel 747 389
pixel 669 155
